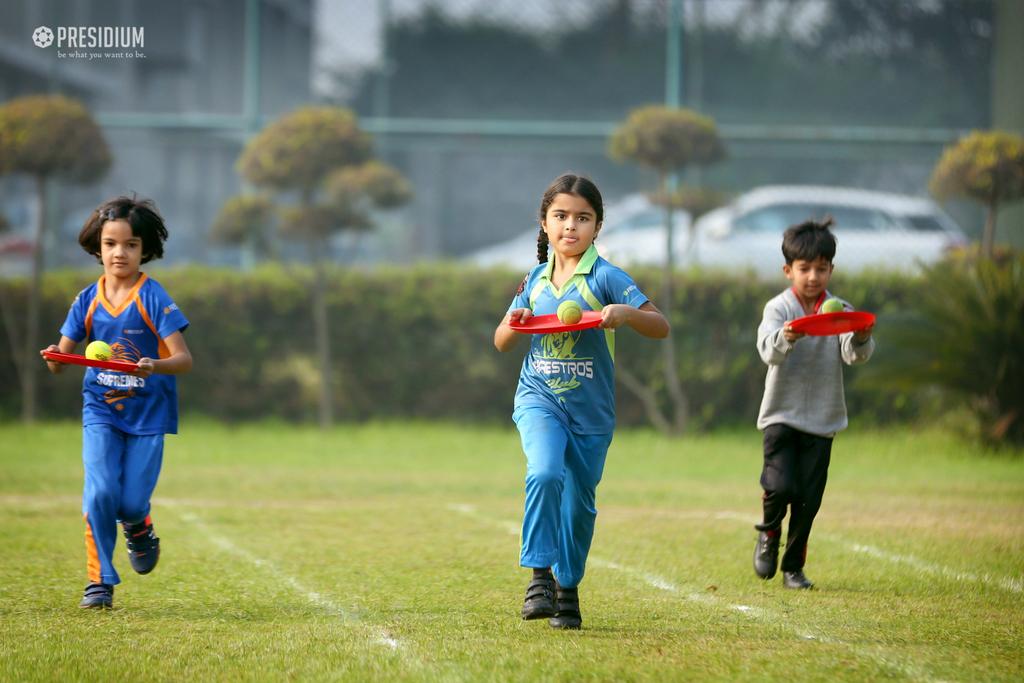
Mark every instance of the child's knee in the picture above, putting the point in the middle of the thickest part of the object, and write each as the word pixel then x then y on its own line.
pixel 544 477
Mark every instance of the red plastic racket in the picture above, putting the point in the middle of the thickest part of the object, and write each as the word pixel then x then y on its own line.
pixel 75 359
pixel 825 324
pixel 547 324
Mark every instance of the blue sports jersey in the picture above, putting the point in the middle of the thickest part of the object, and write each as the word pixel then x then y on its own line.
pixel 135 329
pixel 573 373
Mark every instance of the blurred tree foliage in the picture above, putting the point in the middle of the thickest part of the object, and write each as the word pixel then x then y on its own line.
pixel 244 220
pixel 869 62
pixel 666 140
pixel 966 334
pixel 321 153
pixel 397 353
pixel 47 137
pixel 986 166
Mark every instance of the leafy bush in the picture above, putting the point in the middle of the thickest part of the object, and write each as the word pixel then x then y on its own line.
pixel 419 343
pixel 967 336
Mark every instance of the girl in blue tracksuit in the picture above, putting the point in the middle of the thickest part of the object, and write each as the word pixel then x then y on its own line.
pixel 565 401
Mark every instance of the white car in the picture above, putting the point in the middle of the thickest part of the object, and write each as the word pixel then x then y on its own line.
pixel 632 233
pixel 874 230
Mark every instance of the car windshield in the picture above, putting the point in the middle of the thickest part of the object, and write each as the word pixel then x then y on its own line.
pixel 641 221
pixel 926 223
pixel 776 218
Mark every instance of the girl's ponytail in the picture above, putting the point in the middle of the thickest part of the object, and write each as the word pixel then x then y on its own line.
pixel 542 246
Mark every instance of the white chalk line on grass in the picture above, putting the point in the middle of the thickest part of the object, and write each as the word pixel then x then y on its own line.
pixel 1012 584
pixel 757 613
pixel 379 635
pixel 1015 585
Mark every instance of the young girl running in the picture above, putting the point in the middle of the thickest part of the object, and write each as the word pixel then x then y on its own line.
pixel 124 416
pixel 565 402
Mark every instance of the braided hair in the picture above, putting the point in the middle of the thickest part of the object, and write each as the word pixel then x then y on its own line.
pixel 567 183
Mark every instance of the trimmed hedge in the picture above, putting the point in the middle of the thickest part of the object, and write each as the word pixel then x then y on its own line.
pixel 417 343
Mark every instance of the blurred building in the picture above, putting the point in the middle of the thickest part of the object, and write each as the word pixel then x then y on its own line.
pixel 176 109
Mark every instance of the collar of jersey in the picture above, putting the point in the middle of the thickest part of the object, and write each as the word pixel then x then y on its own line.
pixel 585 265
pixel 101 295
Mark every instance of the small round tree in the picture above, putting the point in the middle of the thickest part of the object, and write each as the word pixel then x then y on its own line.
pixel 244 220
pixel 986 166
pixel 666 141
pixel 321 153
pixel 297 151
pixel 47 137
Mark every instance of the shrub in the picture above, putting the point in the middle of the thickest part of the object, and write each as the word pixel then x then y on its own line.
pixel 966 335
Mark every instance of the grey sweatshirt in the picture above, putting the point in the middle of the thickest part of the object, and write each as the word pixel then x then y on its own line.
pixel 804 386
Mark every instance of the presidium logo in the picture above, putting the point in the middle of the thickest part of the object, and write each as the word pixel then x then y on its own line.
pixel 92 37
pixel 42 37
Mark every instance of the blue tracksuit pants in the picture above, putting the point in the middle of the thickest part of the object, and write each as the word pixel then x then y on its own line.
pixel 120 474
pixel 563 470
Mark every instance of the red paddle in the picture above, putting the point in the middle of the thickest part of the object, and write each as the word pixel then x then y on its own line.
pixel 546 324
pixel 75 359
pixel 825 324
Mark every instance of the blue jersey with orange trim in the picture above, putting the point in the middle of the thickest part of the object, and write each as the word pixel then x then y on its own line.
pixel 135 329
pixel 573 373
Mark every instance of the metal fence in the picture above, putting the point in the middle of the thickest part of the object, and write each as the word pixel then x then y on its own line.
pixel 482 102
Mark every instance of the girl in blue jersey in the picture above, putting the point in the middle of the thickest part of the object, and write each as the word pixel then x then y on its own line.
pixel 124 416
pixel 565 402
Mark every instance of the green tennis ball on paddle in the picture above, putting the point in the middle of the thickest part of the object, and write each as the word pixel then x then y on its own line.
pixel 98 350
pixel 569 313
pixel 832 306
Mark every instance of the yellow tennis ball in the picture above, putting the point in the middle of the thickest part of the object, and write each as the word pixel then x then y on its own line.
pixel 569 313
pixel 98 350
pixel 832 306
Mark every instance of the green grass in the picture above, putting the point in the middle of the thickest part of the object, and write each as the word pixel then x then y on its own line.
pixel 390 552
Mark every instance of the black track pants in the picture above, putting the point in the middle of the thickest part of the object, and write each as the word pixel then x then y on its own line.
pixel 794 476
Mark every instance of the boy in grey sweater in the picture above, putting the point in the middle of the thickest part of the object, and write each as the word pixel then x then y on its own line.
pixel 803 405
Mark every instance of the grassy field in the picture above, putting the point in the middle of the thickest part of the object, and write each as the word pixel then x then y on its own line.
pixel 390 552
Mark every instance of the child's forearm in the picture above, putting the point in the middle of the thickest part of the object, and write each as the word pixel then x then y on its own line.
pixel 175 364
pixel 650 323
pixel 505 338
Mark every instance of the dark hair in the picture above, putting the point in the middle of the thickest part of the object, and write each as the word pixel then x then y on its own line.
pixel 809 240
pixel 141 214
pixel 567 183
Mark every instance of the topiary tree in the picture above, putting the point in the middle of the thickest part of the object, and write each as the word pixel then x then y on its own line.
pixel 321 153
pixel 244 220
pixel 666 141
pixel 47 137
pixel 986 166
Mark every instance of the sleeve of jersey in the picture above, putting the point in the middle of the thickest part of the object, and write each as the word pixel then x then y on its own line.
pixel 74 326
pixel 522 297
pixel 168 317
pixel 621 289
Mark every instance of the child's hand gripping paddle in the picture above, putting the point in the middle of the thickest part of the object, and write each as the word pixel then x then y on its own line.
pixel 74 359
pixel 825 324
pixel 547 324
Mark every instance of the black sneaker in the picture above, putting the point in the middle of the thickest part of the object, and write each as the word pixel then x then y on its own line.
pixel 567 610
pixel 540 598
pixel 766 555
pixel 143 546
pixel 98 596
pixel 796 580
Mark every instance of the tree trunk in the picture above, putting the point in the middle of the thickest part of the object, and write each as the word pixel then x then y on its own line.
pixel 9 314
pixel 990 229
pixel 322 334
pixel 31 358
pixel 680 404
